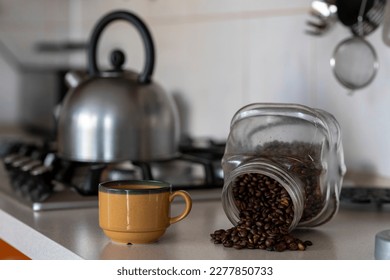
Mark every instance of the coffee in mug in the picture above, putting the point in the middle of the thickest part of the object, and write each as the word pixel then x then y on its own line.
pixel 138 211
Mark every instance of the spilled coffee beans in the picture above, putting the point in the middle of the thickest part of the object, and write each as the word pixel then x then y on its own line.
pixel 266 213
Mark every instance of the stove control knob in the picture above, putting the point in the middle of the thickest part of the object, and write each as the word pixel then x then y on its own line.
pixel 43 185
pixel 24 182
pixel 8 160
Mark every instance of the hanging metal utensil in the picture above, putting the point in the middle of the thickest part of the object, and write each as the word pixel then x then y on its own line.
pixel 371 19
pixel 386 26
pixel 354 61
pixel 348 12
pixel 323 17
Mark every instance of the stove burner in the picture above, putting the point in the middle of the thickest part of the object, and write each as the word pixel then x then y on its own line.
pixel 38 176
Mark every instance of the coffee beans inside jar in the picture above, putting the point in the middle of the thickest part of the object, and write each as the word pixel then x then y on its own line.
pixel 266 210
pixel 303 161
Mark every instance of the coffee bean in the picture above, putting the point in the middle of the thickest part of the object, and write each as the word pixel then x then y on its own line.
pixel 301 246
pixel 293 246
pixel 235 239
pixel 289 239
pixel 308 243
pixel 242 232
pixel 280 247
pixel 269 242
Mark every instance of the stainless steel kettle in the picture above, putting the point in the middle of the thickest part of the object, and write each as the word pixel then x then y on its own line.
pixel 117 115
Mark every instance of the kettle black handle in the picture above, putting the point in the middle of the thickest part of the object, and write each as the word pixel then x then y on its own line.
pixel 146 74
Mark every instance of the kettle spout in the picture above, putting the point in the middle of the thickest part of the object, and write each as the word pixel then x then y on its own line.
pixel 74 78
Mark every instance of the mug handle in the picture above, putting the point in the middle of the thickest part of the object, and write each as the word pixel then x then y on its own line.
pixel 185 195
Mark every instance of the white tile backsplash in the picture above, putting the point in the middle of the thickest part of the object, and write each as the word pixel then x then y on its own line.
pixel 218 55
pixel 277 52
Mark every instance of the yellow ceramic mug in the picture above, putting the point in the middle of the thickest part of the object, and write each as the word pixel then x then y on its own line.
pixel 138 212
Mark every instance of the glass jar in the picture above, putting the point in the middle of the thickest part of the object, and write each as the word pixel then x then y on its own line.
pixel 288 145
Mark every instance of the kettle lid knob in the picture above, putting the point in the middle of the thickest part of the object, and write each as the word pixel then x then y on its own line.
pixel 117 58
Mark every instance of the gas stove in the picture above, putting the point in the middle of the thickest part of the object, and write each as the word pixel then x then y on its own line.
pixel 35 176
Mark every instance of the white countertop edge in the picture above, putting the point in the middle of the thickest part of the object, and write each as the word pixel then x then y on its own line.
pixel 30 242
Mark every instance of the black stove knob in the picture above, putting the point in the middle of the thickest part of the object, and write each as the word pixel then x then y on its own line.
pixel 19 162
pixel 24 180
pixel 42 183
pixel 9 159
pixel 14 170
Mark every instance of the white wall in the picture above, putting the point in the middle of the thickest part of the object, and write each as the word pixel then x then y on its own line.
pixel 24 23
pixel 219 55
pixel 9 89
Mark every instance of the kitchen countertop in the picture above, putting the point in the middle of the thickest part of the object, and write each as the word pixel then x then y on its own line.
pixel 75 234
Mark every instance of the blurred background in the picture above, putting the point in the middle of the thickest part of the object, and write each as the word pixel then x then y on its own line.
pixel 213 56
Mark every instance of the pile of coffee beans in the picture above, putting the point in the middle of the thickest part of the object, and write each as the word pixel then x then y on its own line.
pixel 266 213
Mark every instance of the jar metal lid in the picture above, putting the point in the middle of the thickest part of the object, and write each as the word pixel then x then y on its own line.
pixel 382 245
